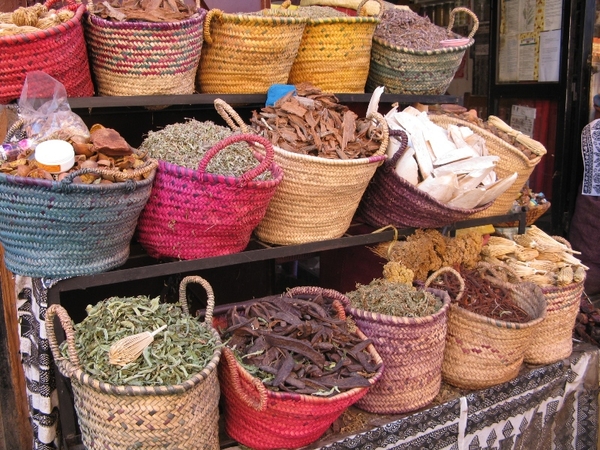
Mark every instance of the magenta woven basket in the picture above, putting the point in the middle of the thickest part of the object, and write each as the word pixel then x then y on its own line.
pixel 194 214
pixel 391 200
pixel 59 51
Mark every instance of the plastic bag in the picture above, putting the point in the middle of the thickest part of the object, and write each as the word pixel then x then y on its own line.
pixel 45 111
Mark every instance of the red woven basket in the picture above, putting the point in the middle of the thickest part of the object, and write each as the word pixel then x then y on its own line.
pixel 59 51
pixel 194 214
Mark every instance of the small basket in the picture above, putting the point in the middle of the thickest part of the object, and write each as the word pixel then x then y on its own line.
pixel 412 350
pixel 417 72
pixel 264 419
pixel 246 54
pixel 335 52
pixel 59 51
pixel 62 229
pixel 391 200
pixel 194 214
pixel 144 58
pixel 170 417
pixel 531 215
pixel 511 160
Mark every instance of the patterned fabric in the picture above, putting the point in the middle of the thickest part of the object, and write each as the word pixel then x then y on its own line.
pixel 590 151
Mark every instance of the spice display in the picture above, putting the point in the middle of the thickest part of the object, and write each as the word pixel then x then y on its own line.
pixel 184 144
pixel 315 123
pixel 299 345
pixel 179 351
pixel 144 11
pixel 319 12
pixel 29 19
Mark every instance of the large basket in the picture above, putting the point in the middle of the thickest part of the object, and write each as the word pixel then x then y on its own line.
pixel 417 72
pixel 59 51
pixel 335 52
pixel 263 419
pixel 170 417
pixel 62 229
pixel 511 160
pixel 532 214
pixel 246 54
pixel 412 350
pixel 391 200
pixel 194 214
pixel 144 58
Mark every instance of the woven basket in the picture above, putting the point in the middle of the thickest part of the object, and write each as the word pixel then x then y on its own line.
pixel 412 350
pixel 144 58
pixel 170 417
pixel 263 419
pixel 246 54
pixel 391 200
pixel 482 352
pixel 335 52
pixel 59 51
pixel 62 229
pixel 531 215
pixel 418 72
pixel 194 214
pixel 511 160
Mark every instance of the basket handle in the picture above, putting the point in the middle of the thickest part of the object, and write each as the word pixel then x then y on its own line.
pixel 149 166
pixel 210 301
pixel 403 138
pixel 257 404
pixel 230 115
pixel 207 21
pixel 339 300
pixel 364 2
pixel 494 274
pixel 470 13
pixel 384 130
pixel 70 4
pixel 67 325
pixel 264 165
pixel 454 272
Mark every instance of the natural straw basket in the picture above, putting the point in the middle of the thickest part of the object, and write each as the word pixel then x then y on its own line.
pixel 511 160
pixel 418 72
pixel 245 53
pixel 263 419
pixel 532 214
pixel 412 350
pixel 335 52
pixel 391 200
pixel 195 214
pixel 62 229
pixel 482 352
pixel 144 58
pixel 175 417
pixel 59 51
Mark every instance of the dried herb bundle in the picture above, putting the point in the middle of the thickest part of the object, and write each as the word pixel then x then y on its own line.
pixel 183 349
pixel 143 10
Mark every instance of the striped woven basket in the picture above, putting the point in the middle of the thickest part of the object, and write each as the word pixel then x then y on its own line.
pixel 335 52
pixel 59 51
pixel 169 417
pixel 417 72
pixel 144 58
pixel 246 54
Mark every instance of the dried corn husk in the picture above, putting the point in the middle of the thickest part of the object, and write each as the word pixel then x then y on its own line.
pixel 536 147
pixel 565 276
pixel 526 254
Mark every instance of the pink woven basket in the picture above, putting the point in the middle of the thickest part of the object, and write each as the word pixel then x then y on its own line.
pixel 194 214
pixel 59 51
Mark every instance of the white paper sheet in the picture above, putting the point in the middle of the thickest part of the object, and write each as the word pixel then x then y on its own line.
pixel 549 66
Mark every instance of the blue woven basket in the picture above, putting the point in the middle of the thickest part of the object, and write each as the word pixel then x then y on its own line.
pixel 61 229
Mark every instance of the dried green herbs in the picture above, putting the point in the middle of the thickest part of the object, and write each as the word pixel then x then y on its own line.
pixel 183 349
pixel 394 299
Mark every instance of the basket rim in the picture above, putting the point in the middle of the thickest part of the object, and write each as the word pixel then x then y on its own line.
pixel 248 18
pixel 141 25
pixel 412 51
pixel 326 161
pixel 26 38
pixel 479 318
pixel 343 20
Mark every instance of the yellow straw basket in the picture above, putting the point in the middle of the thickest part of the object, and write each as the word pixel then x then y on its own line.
pixel 246 54
pixel 335 52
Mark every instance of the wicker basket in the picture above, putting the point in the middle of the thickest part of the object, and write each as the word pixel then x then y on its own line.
pixel 264 419
pixel 531 215
pixel 412 350
pixel 62 229
pixel 144 58
pixel 59 51
pixel 194 214
pixel 391 200
pixel 175 417
pixel 246 54
pixel 511 160
pixel 335 52
pixel 407 71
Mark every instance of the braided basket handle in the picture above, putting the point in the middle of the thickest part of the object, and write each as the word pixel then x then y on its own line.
pixel 470 13
pixel 235 372
pixel 563 241
pixel 117 175
pixel 385 132
pixel 403 138
pixel 230 115
pixel 207 21
pixel 339 300
pixel 454 272
pixel 359 8
pixel 210 301
pixel 71 5
pixel 67 325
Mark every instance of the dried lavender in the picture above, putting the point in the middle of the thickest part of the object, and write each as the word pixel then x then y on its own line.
pixel 319 12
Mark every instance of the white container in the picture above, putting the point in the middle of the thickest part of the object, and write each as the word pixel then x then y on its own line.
pixel 55 155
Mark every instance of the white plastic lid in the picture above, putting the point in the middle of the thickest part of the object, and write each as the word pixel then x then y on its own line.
pixel 55 155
